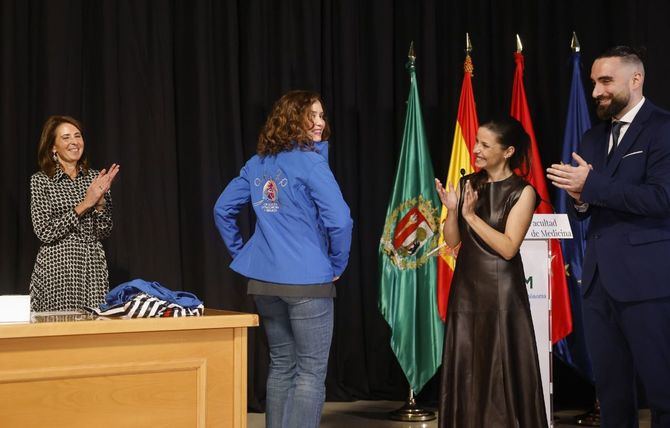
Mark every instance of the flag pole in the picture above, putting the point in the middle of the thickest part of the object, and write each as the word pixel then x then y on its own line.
pixel 590 418
pixel 410 411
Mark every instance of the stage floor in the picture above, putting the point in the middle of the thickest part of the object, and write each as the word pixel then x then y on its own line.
pixel 372 414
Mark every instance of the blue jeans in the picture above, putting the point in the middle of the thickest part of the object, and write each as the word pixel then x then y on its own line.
pixel 299 332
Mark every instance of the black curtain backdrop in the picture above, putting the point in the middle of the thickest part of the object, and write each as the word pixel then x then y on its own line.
pixel 176 91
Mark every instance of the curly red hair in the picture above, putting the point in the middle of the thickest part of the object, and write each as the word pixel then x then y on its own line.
pixel 289 123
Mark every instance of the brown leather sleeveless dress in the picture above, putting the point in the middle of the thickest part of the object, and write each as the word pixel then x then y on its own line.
pixel 490 371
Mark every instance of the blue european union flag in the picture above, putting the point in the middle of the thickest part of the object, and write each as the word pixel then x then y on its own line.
pixel 572 349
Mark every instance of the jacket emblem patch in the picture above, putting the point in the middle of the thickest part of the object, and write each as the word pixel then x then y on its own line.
pixel 270 192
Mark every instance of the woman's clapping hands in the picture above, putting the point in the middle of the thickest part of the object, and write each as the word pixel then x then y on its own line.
pixel 469 201
pixel 448 195
pixel 95 194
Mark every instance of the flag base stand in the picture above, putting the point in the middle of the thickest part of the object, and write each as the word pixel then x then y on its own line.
pixel 410 412
pixel 590 418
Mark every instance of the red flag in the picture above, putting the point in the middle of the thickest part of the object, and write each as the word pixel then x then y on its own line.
pixel 461 160
pixel 561 321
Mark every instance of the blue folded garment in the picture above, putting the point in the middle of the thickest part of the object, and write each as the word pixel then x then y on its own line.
pixel 126 291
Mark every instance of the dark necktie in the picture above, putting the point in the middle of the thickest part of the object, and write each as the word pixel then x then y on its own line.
pixel 616 130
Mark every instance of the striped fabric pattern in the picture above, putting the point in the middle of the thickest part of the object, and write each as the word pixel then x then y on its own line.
pixel 143 305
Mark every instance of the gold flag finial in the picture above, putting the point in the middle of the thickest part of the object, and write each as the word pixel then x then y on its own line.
pixel 411 57
pixel 574 43
pixel 467 65
pixel 519 46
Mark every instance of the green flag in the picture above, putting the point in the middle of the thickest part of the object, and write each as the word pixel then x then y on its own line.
pixel 407 262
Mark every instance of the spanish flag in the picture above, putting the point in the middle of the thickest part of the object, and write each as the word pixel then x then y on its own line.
pixel 461 161
pixel 561 316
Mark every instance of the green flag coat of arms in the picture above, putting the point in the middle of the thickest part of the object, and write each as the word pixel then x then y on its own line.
pixel 407 262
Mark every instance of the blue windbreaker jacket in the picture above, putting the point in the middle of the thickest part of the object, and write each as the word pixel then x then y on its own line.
pixel 303 225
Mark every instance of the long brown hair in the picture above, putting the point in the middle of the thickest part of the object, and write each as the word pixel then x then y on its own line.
pixel 288 124
pixel 45 159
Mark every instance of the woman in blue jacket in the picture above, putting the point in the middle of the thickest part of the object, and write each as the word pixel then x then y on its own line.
pixel 299 248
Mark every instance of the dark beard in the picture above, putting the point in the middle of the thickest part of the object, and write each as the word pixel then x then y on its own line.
pixel 615 106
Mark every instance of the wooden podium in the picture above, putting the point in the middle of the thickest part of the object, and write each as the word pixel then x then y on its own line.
pixel 76 371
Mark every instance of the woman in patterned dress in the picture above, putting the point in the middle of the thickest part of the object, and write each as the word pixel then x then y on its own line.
pixel 490 370
pixel 71 210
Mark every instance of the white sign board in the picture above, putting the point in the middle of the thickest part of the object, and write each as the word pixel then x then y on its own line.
pixel 549 226
pixel 535 257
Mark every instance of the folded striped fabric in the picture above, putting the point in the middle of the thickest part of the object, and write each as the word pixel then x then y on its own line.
pixel 143 305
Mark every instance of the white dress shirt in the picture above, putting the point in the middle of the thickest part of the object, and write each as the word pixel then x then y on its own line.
pixel 626 120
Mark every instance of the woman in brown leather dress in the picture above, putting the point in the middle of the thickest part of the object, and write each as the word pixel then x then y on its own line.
pixel 490 371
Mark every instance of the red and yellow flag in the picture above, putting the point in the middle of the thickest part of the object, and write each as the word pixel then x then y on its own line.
pixel 461 160
pixel 561 321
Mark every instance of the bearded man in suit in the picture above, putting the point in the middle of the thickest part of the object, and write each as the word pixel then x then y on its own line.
pixel 621 181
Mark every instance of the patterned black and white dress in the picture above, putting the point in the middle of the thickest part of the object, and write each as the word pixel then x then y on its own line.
pixel 71 269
